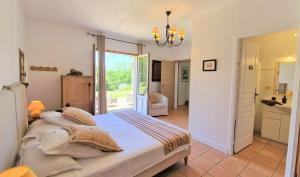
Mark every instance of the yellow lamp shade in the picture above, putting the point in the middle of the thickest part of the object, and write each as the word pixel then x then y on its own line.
pixel 173 29
pixel 20 171
pixel 35 107
pixel 173 38
pixel 155 31
pixel 181 34
pixel 289 93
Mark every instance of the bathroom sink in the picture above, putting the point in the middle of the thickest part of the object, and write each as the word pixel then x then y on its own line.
pixel 284 106
pixel 276 104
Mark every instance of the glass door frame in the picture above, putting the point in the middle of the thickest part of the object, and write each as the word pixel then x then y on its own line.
pixel 144 97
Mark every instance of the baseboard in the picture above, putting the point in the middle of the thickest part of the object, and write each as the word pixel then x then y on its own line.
pixel 212 144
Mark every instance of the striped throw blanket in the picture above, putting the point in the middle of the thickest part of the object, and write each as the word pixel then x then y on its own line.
pixel 171 137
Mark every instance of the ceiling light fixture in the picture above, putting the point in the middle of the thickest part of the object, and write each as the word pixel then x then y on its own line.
pixel 170 34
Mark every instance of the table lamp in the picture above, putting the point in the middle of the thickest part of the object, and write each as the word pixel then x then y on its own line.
pixel 35 108
pixel 20 171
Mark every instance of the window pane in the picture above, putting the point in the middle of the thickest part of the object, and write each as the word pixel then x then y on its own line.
pixel 143 74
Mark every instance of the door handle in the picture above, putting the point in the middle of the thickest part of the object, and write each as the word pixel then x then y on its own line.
pixel 255 93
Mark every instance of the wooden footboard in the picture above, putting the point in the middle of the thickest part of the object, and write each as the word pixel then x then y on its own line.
pixel 166 163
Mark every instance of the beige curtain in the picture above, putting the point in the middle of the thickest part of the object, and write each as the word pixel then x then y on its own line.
pixel 101 59
pixel 140 48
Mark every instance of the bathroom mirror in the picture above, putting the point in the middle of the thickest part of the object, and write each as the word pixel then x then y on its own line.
pixel 284 78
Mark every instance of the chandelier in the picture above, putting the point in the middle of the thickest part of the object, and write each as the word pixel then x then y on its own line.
pixel 170 34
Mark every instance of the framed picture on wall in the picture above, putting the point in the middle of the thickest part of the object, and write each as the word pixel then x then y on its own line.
pixel 210 65
pixel 184 74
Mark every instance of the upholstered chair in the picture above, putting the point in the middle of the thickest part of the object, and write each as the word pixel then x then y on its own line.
pixel 158 104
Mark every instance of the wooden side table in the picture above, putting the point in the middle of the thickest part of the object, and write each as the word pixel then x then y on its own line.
pixel 32 119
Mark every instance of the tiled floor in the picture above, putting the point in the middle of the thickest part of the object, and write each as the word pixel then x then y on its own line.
pixel 263 158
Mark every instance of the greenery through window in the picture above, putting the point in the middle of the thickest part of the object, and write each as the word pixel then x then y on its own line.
pixel 143 74
pixel 119 80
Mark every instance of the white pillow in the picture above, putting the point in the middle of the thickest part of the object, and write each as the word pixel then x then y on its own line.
pixel 56 118
pixel 39 128
pixel 57 143
pixel 44 165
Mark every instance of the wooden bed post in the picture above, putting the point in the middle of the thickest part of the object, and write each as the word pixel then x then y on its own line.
pixel 186 160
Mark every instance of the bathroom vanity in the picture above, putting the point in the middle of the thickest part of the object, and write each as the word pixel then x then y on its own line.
pixel 276 119
pixel 276 122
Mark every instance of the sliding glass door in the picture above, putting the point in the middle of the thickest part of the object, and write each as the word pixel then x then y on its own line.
pixel 120 80
pixel 126 82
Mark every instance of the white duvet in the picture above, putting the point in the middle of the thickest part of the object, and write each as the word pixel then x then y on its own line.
pixel 141 151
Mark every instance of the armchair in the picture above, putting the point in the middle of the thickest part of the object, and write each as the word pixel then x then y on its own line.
pixel 158 104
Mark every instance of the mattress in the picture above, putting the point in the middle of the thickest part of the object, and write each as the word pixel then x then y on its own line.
pixel 141 152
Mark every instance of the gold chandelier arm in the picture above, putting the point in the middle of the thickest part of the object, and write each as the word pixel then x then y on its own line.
pixel 170 44
pixel 161 44
pixel 178 43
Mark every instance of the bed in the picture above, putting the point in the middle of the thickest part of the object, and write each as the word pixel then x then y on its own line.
pixel 143 155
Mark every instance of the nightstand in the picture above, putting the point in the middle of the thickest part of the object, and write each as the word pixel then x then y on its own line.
pixel 31 119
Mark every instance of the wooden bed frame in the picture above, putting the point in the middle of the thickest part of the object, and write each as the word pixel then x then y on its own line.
pixel 166 163
pixel 14 125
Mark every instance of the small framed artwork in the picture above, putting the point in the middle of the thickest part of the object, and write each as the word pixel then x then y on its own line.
pixel 210 65
pixel 184 74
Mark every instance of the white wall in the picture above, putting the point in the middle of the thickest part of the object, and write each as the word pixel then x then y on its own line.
pixel 183 87
pixel 64 47
pixel 214 35
pixel 182 52
pixel 12 37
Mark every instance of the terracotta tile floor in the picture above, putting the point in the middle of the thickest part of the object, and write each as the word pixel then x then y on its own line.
pixel 264 158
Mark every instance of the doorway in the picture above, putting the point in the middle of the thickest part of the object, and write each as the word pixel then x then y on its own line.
pixel 175 83
pixel 182 84
pixel 126 81
pixel 120 81
pixel 264 98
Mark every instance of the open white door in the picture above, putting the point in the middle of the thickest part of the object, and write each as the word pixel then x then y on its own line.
pixel 245 114
pixel 143 83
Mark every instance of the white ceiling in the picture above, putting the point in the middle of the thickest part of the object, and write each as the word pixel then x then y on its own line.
pixel 133 18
